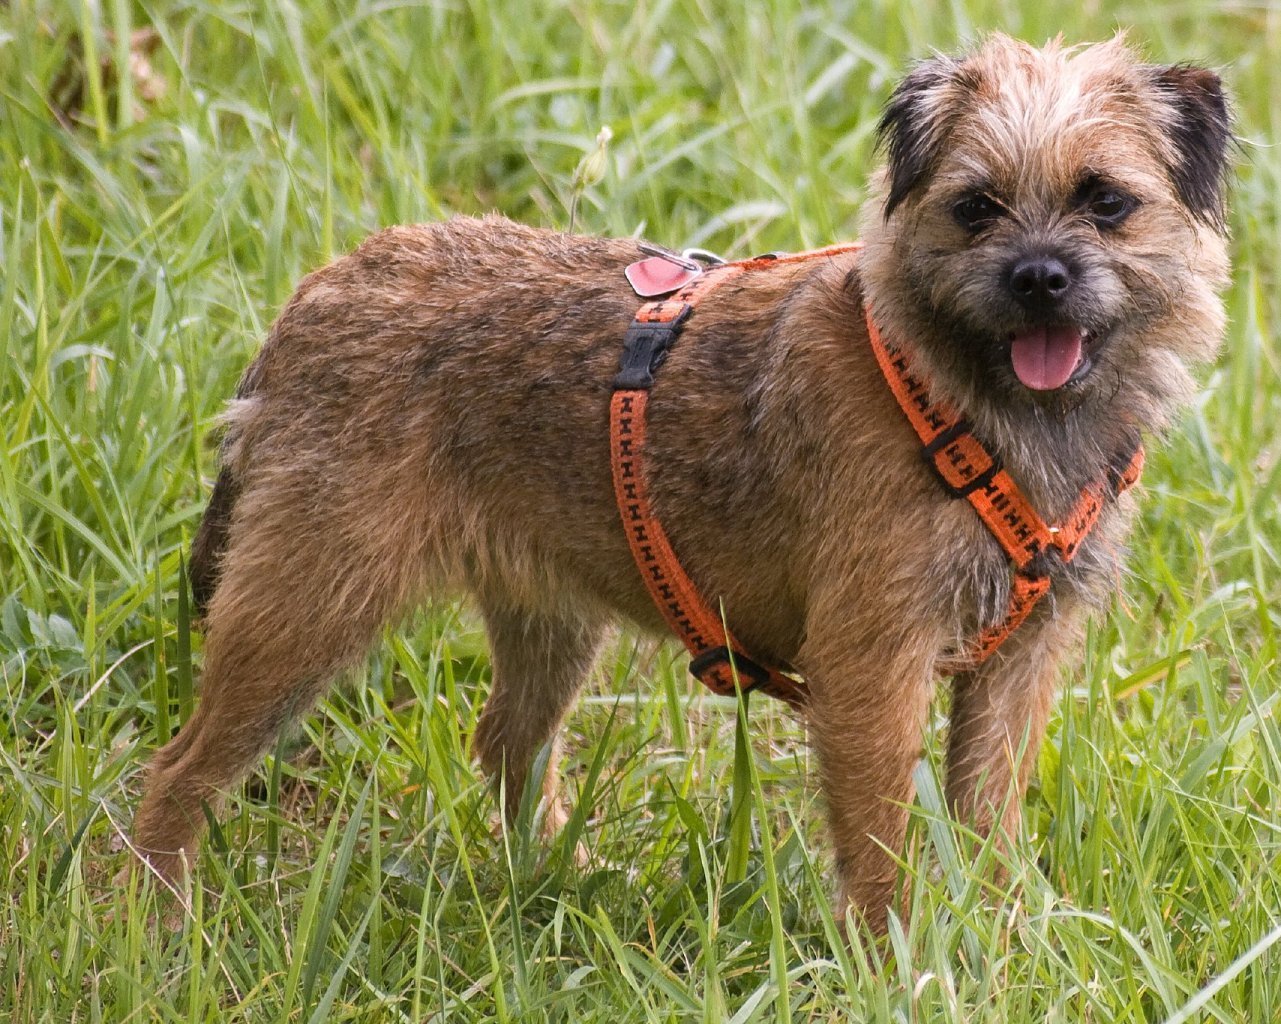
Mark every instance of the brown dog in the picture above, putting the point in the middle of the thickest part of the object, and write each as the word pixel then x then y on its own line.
pixel 430 415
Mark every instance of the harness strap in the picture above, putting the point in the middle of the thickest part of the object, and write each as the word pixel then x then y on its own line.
pixel 716 658
pixel 962 463
pixel 968 470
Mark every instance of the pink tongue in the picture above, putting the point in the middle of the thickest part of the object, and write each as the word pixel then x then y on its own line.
pixel 1045 357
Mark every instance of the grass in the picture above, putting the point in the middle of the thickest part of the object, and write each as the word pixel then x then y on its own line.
pixel 359 877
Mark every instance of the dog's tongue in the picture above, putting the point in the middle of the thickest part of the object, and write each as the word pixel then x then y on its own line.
pixel 1045 357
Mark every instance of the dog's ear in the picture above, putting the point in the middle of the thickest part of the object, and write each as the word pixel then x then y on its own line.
pixel 1201 135
pixel 915 124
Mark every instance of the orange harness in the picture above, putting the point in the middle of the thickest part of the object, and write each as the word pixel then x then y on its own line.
pixel 963 465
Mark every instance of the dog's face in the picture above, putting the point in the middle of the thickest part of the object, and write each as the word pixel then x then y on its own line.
pixel 1048 210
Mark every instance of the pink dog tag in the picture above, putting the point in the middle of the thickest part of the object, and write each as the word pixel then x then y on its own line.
pixel 658 275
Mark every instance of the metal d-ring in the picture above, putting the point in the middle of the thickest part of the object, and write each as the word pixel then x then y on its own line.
pixel 703 256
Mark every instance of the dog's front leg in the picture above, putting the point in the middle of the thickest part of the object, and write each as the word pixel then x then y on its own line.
pixel 871 687
pixel 999 714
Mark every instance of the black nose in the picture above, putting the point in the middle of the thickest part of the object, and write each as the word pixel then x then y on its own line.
pixel 1039 282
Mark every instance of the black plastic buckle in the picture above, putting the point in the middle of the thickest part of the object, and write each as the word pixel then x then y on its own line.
pixel 645 347
pixel 931 450
pixel 741 664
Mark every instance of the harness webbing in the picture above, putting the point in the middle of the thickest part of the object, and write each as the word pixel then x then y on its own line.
pixel 968 470
pixel 963 465
pixel 716 658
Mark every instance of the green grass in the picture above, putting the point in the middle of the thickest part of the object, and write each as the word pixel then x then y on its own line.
pixel 359 876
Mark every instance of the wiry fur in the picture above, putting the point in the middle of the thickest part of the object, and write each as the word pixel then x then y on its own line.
pixel 429 415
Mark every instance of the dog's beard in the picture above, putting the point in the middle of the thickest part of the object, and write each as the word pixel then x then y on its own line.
pixel 977 356
pixel 989 347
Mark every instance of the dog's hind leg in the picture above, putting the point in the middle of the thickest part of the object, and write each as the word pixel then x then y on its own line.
pixel 540 661
pixel 301 597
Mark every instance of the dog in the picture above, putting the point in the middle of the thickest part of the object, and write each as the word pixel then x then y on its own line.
pixel 1045 246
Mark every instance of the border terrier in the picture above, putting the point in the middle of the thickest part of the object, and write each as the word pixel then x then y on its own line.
pixel 429 416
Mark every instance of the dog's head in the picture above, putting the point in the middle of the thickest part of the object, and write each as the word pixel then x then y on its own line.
pixel 1050 221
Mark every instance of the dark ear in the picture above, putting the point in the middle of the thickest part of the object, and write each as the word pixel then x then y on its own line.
pixel 914 126
pixel 1202 134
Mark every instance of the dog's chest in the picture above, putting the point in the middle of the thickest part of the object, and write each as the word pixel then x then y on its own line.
pixel 972 578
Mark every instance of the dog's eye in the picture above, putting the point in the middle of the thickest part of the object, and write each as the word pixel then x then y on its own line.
pixel 977 211
pixel 1109 207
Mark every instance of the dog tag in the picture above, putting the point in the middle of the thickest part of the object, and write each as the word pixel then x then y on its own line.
pixel 659 275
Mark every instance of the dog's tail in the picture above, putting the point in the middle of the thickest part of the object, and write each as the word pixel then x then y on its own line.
pixel 215 528
pixel 211 541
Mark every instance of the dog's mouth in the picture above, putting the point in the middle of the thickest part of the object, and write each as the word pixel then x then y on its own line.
pixel 1047 357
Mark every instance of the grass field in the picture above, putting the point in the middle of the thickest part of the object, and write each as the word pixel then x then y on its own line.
pixel 360 877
